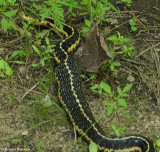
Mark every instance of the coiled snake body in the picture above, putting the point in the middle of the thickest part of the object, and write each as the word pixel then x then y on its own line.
pixel 74 101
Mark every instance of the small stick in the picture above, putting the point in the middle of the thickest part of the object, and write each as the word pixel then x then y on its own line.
pixel 147 50
pixel 132 61
pixel 27 92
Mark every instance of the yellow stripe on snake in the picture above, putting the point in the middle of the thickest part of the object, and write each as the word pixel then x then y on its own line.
pixel 73 99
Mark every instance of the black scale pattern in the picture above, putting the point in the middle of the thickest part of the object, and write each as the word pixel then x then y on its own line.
pixel 70 89
pixel 68 96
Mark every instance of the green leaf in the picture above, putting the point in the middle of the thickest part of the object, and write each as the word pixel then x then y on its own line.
pixel 93 147
pixel 124 95
pixel 122 102
pixel 9 71
pixel 72 5
pixel 36 50
pixel 158 143
pixel 131 22
pixel 70 9
pixel 94 87
pixel 110 110
pixel 99 92
pixel 18 62
pixel 20 53
pixel 92 75
pixel 11 1
pixel 4 24
pixel 85 30
pixel 112 38
pixel 134 28
pixel 113 127
pixel 11 13
pixel 113 64
pixel 47 40
pixel 35 65
pixel 116 64
pixel 42 61
pixel 16 140
pixel 105 87
pixel 126 1
pixel 111 6
pixel 124 128
pixel 108 19
pixel 3 64
pixel 94 1
pixel 83 76
pixel 87 22
pixel 108 103
pixel 119 90
pixel 1 74
pixel 84 13
pixel 127 87
pixel 111 67
pixel 2 2
pixel 74 14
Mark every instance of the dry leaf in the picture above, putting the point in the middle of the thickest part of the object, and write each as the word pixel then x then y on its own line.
pixel 94 52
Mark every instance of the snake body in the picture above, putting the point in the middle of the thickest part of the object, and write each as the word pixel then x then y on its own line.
pixel 73 99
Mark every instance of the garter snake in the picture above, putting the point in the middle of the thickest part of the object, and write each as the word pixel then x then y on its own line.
pixel 73 99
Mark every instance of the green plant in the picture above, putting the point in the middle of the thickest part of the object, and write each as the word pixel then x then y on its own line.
pixel 119 131
pixel 118 102
pixel 6 7
pixel 45 53
pixel 114 64
pixel 91 76
pixel 118 40
pixel 86 29
pixel 16 141
pixel 73 4
pixel 96 10
pixel 5 4
pixel 132 23
pixel 5 69
pixel 157 144
pixel 128 50
pixel 40 146
pixel 128 2
pixel 19 54
pixel 93 147
pixel 54 10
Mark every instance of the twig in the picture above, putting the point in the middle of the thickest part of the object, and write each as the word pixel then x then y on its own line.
pixel 27 92
pixel 147 50
pixel 11 42
pixel 132 61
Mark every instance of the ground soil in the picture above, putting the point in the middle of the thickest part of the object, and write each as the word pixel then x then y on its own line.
pixel 31 116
